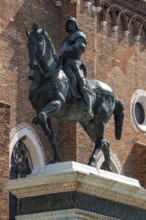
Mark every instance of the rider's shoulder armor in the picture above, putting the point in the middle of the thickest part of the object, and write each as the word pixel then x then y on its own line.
pixel 78 34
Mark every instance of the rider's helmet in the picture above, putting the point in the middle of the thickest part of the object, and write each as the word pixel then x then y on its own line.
pixel 71 19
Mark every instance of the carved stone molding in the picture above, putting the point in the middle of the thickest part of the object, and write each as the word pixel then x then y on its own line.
pixel 46 189
pixel 72 176
pixel 58 3
pixel 137 38
pixel 103 23
pixel 138 7
pixel 115 28
pixel 126 33
pixel 72 214
pixel 80 187
pixel 96 9
pixel 88 4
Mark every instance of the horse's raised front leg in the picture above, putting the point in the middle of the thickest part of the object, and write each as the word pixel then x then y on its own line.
pixel 44 120
pixel 49 110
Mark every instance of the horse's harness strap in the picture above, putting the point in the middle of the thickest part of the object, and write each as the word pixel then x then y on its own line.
pixel 46 75
pixel 44 47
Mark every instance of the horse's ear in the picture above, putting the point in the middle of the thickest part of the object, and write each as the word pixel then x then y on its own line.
pixel 27 33
pixel 39 30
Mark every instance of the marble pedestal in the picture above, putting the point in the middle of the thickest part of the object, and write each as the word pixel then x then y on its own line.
pixel 73 191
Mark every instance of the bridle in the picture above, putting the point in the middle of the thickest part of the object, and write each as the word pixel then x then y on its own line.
pixel 42 54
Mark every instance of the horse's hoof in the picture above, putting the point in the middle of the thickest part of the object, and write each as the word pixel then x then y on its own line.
pixel 91 164
pixel 53 161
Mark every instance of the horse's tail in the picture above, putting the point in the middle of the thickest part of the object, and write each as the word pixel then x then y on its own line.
pixel 119 117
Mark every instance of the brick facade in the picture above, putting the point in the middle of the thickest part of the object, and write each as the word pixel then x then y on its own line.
pixel 4 157
pixel 16 17
pixel 118 60
pixel 115 55
pixel 68 148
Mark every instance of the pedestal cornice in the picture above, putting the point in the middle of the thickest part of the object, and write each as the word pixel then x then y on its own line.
pixel 72 176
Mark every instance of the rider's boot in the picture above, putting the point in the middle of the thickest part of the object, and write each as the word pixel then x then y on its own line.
pixel 86 96
pixel 88 102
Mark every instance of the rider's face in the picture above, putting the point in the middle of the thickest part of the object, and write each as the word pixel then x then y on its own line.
pixel 70 26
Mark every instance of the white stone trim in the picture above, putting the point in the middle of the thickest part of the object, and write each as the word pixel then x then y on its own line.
pixel 138 96
pixel 103 23
pixel 72 214
pixel 126 33
pixel 115 28
pixel 58 3
pixel 34 147
pixel 88 4
pixel 137 38
pixel 96 9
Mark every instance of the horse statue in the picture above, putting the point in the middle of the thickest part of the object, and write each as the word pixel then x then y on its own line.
pixel 51 95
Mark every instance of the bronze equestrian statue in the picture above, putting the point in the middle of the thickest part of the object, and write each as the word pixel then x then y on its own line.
pixel 71 50
pixel 59 88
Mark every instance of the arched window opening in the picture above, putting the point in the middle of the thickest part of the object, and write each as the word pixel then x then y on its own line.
pixel 115 164
pixel 21 166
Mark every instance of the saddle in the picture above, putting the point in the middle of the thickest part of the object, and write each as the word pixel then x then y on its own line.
pixel 73 83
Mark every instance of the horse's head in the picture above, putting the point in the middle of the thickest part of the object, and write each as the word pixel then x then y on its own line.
pixel 36 44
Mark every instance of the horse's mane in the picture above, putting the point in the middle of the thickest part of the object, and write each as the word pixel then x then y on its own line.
pixel 36 29
pixel 49 42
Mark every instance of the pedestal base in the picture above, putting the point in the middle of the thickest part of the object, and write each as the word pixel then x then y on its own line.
pixel 73 191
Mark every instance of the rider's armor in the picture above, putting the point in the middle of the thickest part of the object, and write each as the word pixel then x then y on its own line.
pixel 71 50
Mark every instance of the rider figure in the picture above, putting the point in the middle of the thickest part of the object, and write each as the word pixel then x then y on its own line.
pixel 71 50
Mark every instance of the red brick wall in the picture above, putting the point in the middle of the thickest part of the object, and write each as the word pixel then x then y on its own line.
pixel 67 131
pixel 136 161
pixel 4 157
pixel 120 62
pixel 16 17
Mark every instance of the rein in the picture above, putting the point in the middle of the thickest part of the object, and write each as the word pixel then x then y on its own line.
pixel 38 63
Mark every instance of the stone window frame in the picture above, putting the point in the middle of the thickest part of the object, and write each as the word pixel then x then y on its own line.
pixel 32 143
pixel 139 96
pixel 24 135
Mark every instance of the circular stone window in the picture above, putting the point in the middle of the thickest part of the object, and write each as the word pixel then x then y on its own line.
pixel 139 111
